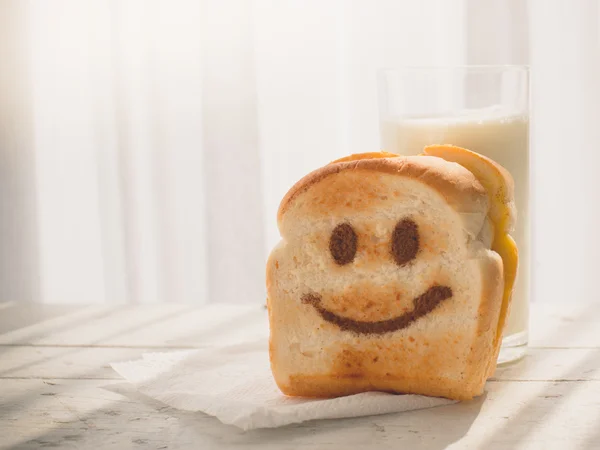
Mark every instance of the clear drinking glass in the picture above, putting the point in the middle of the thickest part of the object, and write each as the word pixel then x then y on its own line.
pixel 481 108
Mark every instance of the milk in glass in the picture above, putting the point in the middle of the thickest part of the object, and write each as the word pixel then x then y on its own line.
pixel 503 137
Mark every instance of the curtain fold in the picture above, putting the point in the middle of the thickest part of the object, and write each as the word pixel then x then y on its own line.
pixel 565 60
pixel 19 240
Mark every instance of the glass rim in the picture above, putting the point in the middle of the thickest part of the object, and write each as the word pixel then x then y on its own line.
pixel 451 68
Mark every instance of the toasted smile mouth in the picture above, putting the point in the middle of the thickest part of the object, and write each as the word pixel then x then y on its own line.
pixel 422 305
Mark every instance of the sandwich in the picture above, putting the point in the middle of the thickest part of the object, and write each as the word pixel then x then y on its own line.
pixel 393 273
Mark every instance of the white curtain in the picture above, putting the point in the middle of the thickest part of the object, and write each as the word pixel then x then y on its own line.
pixel 145 145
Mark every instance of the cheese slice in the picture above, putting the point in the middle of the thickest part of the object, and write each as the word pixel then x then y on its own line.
pixel 499 184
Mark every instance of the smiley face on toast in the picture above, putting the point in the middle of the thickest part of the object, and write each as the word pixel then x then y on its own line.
pixel 385 261
pixel 404 248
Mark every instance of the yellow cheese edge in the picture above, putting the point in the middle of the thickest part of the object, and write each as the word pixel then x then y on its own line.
pixel 506 247
pixel 500 215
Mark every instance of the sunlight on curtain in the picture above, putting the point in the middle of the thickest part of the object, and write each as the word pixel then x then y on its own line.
pixel 118 144
pixel 565 59
pixel 165 133
pixel 145 145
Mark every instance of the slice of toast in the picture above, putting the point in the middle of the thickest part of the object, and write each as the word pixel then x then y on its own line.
pixel 385 280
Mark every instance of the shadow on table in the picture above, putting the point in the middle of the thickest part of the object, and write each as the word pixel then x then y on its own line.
pixel 593 440
pixel 411 430
pixel 139 422
pixel 553 396
pixel 414 429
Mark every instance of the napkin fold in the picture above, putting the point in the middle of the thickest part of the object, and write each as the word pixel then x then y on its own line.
pixel 234 384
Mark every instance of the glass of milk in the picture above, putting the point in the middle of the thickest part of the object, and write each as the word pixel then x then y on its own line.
pixel 481 108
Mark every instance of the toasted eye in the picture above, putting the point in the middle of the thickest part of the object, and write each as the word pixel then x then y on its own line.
pixel 405 241
pixel 342 244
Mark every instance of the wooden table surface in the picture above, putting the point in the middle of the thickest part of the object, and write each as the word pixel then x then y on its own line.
pixel 57 389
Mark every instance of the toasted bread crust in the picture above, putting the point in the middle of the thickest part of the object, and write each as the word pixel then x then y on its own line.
pixel 503 191
pixel 459 187
pixel 329 387
pixel 438 150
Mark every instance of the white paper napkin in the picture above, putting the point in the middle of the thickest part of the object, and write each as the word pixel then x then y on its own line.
pixel 235 384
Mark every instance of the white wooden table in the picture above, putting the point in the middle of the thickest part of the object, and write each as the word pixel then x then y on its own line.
pixel 57 390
